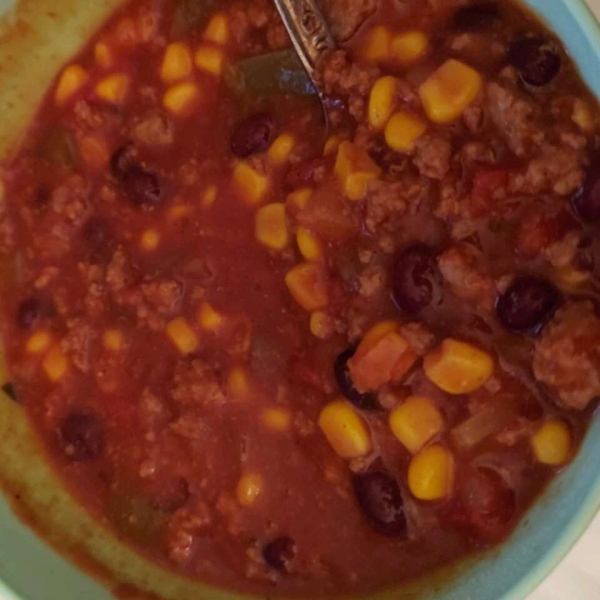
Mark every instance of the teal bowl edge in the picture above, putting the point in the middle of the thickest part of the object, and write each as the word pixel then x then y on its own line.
pixel 510 572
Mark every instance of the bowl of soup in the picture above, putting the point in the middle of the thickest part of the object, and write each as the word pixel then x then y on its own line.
pixel 250 353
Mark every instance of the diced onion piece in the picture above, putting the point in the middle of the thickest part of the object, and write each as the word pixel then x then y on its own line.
pixel 489 420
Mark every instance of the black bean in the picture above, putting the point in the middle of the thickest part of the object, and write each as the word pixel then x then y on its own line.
pixel 99 238
pixel 342 376
pixel 537 59
pixel 29 313
pixel 586 201
pixel 527 305
pixel 481 15
pixel 140 185
pixel 279 553
pixel 82 435
pixel 381 501
pixel 252 135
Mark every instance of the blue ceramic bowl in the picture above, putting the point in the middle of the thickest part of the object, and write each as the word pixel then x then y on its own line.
pixel 30 570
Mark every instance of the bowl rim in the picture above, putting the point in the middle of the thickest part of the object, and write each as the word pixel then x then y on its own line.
pixel 589 26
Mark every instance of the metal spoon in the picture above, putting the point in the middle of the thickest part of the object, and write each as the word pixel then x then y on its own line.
pixel 310 36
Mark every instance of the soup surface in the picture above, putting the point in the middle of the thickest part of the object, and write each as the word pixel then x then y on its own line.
pixel 289 360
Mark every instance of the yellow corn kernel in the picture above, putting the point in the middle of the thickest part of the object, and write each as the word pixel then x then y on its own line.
pixel 182 335
pixel 381 101
pixel 277 419
pixel 448 91
pixel 403 130
pixel 181 98
pixel 320 325
pixel 38 342
pixel 249 488
pixel 113 340
pixel 238 383
pixel 94 151
pixel 431 473
pixel 55 364
pixel 377 44
pixel 209 318
pixel 308 284
pixel 209 195
pixel 410 46
pixel 309 244
pixel 345 430
pixel 178 212
pixel 113 88
pixel 552 443
pixel 281 148
pixel 299 199
pixel 355 169
pixel 177 62
pixel 209 59
pixel 583 116
pixel 457 367
pixel 250 183
pixel 103 55
pixel 149 240
pixel 571 278
pixel 332 144
pixel 271 228
pixel 415 422
pixel 71 80
pixel 217 30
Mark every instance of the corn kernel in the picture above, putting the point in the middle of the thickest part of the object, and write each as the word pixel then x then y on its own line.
pixel 381 101
pixel 113 88
pixel 552 443
pixel 209 59
pixel 38 342
pixel 249 489
pixel 103 55
pixel 332 144
pixel 431 473
pixel 71 80
pixel 55 364
pixel 344 429
pixel 238 383
pixel 403 130
pixel 217 30
pixel 113 340
pixel 181 98
pixel 281 148
pixel 410 46
pixel 178 212
pixel 299 199
pixel 308 284
pixel 271 228
pixel 309 244
pixel 182 335
pixel 149 240
pixel 377 44
pixel 209 195
pixel 448 91
pixel 177 62
pixel 583 116
pixel 320 325
pixel 209 318
pixel 457 367
pixel 94 151
pixel 415 422
pixel 277 419
pixel 355 169
pixel 570 278
pixel 250 183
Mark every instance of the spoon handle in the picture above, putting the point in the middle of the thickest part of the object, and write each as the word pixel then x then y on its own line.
pixel 308 30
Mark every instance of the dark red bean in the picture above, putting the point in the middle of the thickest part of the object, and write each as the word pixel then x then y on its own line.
pixel 381 501
pixel 140 185
pixel 82 435
pixel 173 495
pixel 252 135
pixel 99 237
pixel 29 313
pixel 416 281
pixel 481 15
pixel 586 201
pixel 344 381
pixel 536 59
pixel 527 305
pixel 279 553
